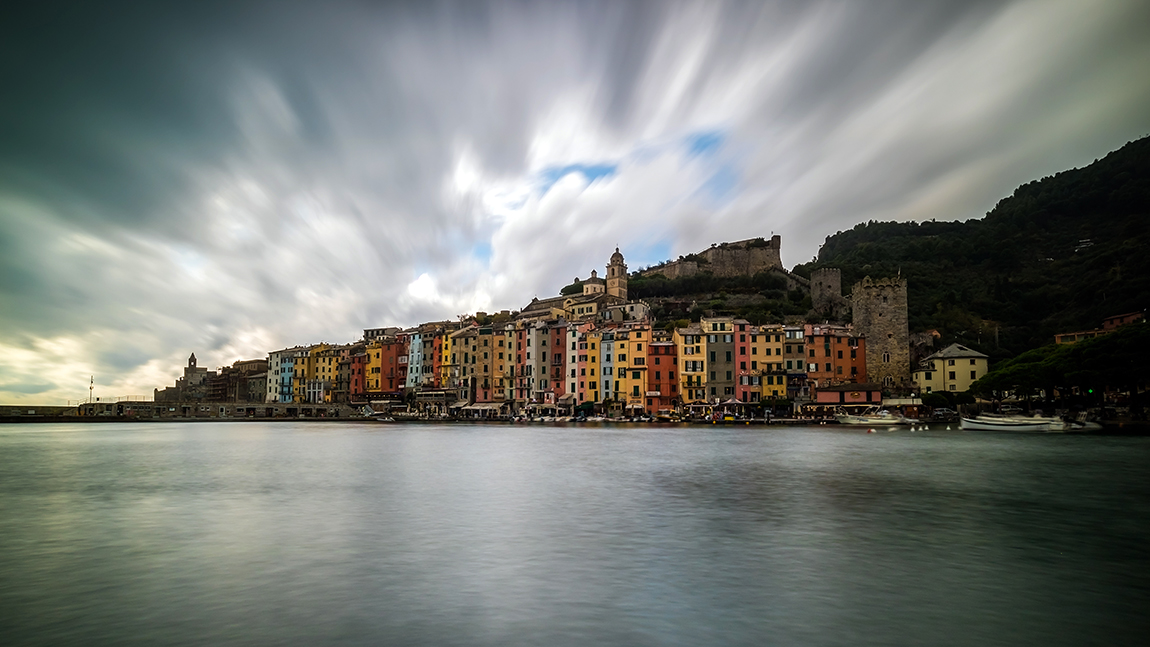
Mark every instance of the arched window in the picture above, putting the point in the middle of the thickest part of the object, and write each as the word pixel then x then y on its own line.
pixel 886 357
pixel 888 381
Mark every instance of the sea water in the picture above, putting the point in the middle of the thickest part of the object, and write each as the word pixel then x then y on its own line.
pixel 310 533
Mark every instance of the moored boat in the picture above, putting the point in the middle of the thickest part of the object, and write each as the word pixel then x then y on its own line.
pixel 988 422
pixel 873 417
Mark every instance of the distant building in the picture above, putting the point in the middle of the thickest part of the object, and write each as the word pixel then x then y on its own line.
pixel 1108 326
pixel 192 386
pixel 953 369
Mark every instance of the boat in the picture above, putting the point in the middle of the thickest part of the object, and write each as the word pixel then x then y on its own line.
pixel 873 417
pixel 992 422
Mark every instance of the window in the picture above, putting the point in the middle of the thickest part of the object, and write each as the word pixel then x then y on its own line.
pixel 840 354
pixel 972 362
pixel 635 375
pixel 952 375
pixel 886 357
pixel 712 356
pixel 974 375
pixel 728 356
pixel 950 362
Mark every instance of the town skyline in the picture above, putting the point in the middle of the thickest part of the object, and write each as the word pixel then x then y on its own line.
pixel 235 178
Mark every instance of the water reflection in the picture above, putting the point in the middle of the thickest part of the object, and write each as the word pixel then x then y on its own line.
pixel 349 534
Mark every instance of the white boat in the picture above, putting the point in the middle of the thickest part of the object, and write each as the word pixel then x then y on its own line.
pixel 873 417
pixel 989 422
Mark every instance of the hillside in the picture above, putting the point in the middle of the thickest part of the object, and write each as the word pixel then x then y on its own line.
pixel 1060 254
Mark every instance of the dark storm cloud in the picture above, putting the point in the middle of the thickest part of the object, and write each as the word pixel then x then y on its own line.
pixel 229 178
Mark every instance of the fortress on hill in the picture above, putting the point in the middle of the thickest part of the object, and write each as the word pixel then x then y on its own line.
pixel 740 258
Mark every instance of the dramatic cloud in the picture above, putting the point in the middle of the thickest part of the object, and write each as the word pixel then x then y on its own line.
pixel 231 179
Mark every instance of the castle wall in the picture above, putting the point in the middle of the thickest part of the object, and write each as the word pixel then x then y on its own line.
pixel 880 313
pixel 726 260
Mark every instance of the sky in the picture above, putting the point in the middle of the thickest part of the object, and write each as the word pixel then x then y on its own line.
pixel 235 178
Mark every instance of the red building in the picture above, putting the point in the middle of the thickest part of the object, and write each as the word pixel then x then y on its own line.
pixel 835 355
pixel 662 383
pixel 357 388
pixel 393 366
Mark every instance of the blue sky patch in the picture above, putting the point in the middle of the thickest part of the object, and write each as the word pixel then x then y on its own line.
pixel 646 255
pixel 720 187
pixel 482 251
pixel 590 171
pixel 705 143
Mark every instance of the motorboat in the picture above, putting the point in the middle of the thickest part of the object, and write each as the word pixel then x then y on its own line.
pixel 873 417
pixel 992 422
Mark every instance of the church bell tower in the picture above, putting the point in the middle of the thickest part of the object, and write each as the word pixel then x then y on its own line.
pixel 617 276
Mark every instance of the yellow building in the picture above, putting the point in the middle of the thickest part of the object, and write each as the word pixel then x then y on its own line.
pixel 593 340
pixel 690 343
pixel 767 356
pixel 448 369
pixel 631 346
pixel 504 367
pixel 953 368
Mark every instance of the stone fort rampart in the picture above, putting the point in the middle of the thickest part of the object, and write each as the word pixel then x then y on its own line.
pixel 740 258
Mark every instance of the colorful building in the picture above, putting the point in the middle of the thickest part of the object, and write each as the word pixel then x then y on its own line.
pixel 953 368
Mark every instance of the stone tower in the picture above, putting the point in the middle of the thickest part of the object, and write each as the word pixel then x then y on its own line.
pixel 617 276
pixel 192 361
pixel 880 313
pixel 827 292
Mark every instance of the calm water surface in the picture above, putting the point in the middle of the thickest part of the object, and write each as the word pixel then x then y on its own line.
pixel 349 534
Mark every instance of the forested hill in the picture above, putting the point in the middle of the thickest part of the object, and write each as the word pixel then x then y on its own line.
pixel 1059 255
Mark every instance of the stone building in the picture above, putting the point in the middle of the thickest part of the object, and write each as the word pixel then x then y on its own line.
pixel 192 386
pixel 880 314
pixel 827 293
pixel 617 276
pixel 740 258
pixel 598 295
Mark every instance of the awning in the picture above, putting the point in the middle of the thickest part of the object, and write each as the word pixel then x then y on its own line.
pixel 484 406
pixel 458 404
pixel 567 397
pixel 585 406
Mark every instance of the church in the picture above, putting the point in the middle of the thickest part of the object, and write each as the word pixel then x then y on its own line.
pixel 598 295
